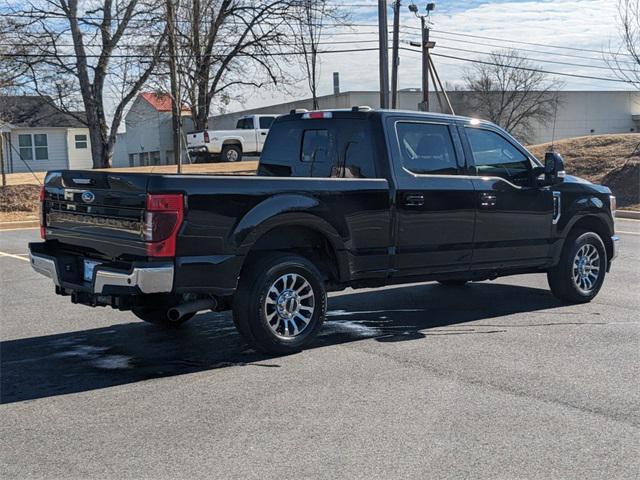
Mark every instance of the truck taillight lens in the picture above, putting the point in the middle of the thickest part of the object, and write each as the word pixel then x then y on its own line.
pixel 43 224
pixel 162 220
pixel 206 136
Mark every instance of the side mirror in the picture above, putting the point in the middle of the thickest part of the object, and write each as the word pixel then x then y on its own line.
pixel 553 168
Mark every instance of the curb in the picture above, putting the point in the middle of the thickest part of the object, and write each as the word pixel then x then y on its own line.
pixel 628 214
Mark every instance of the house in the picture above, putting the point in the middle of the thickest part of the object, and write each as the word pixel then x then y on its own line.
pixel 579 112
pixel 35 135
pixel 148 139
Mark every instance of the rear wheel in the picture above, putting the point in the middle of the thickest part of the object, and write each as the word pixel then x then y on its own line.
pixel 231 153
pixel 280 304
pixel 579 275
pixel 158 316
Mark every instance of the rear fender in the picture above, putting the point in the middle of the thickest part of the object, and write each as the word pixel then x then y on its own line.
pixel 287 210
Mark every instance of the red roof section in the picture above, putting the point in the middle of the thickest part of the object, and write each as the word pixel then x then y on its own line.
pixel 160 101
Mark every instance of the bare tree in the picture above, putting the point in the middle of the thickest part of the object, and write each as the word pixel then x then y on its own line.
pixel 512 92
pixel 94 56
pixel 624 60
pixel 227 45
pixel 310 17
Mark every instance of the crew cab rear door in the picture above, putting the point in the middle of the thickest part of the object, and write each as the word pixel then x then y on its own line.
pixel 249 133
pixel 435 202
pixel 514 216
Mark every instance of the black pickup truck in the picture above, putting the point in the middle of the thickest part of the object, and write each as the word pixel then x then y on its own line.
pixel 343 198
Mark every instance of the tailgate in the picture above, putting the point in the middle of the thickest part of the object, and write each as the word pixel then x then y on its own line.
pixel 195 139
pixel 100 212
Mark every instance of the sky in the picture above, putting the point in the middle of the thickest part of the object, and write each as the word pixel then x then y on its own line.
pixel 587 29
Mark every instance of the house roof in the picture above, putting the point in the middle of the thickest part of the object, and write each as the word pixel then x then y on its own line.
pixel 160 101
pixel 37 112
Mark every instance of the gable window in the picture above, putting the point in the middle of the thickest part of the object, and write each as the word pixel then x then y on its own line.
pixel 33 146
pixel 81 141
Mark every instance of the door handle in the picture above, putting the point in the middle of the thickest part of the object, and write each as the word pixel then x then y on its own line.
pixel 488 200
pixel 263 133
pixel 414 200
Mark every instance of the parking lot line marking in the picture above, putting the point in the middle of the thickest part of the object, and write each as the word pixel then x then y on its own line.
pixel 627 233
pixel 11 255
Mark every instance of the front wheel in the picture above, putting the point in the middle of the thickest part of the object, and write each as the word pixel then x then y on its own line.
pixel 579 275
pixel 280 304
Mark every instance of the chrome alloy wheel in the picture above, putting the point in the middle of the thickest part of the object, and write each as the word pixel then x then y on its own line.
pixel 586 268
pixel 289 305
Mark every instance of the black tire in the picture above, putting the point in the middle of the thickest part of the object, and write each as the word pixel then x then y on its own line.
pixel 231 153
pixel 254 302
pixel 158 316
pixel 453 283
pixel 565 276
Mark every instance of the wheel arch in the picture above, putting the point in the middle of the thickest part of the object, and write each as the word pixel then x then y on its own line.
pixel 593 223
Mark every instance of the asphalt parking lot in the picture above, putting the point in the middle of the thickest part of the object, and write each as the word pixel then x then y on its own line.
pixel 493 380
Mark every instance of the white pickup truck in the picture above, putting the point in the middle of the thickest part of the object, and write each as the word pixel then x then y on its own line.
pixel 247 138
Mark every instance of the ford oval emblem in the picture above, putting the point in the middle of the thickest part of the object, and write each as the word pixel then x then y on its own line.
pixel 88 197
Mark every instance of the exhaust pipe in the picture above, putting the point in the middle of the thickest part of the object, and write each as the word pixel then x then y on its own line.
pixel 176 313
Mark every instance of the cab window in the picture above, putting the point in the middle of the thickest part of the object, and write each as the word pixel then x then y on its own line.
pixel 426 148
pixel 265 122
pixel 495 156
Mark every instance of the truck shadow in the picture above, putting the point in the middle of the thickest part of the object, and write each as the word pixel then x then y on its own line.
pixel 91 359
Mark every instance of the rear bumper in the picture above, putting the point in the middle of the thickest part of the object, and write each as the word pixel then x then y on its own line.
pixel 139 278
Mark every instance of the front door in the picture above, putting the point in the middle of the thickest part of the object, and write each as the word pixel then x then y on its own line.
pixel 435 206
pixel 514 216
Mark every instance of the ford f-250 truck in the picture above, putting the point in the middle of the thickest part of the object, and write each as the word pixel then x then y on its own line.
pixel 246 139
pixel 345 198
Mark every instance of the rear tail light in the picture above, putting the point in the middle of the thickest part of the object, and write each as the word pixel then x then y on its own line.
pixel 206 136
pixel 43 224
pixel 162 220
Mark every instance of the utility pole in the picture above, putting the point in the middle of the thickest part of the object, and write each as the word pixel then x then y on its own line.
pixel 176 104
pixel 383 45
pixel 395 61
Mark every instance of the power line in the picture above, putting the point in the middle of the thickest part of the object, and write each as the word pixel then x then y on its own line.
pixel 507 55
pixel 520 49
pixel 514 41
pixel 529 69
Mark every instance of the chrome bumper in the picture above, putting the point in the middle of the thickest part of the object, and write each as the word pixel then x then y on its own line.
pixel 615 241
pixel 148 279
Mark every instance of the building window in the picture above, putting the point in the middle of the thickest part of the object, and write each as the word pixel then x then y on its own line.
pixel 33 146
pixel 81 141
pixel 154 158
pixel 132 159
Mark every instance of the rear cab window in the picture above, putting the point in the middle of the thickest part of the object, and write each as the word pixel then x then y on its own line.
pixel 245 123
pixel 324 148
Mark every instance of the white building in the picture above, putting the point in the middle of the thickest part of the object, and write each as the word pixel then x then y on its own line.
pixel 35 136
pixel 579 112
pixel 148 138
